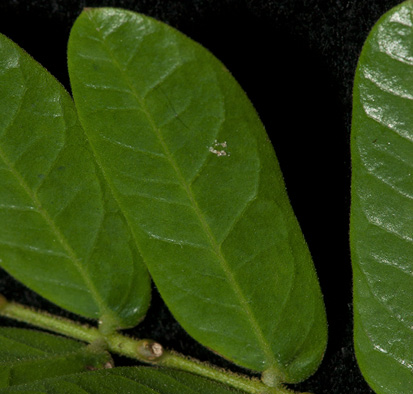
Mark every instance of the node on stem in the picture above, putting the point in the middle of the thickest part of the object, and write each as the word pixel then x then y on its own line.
pixel 3 302
pixel 150 350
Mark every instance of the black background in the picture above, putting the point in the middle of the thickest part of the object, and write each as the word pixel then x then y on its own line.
pixel 296 60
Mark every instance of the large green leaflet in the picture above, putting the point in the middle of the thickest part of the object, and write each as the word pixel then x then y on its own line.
pixel 382 204
pixel 125 380
pixel 61 232
pixel 27 356
pixel 191 166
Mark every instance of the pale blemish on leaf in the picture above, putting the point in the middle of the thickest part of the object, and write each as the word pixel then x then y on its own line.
pixel 215 149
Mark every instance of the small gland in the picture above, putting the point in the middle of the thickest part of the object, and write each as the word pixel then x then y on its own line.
pixel 271 377
pixel 150 350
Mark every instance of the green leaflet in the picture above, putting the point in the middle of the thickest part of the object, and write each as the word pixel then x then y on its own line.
pixel 126 380
pixel 27 356
pixel 382 204
pixel 195 174
pixel 61 232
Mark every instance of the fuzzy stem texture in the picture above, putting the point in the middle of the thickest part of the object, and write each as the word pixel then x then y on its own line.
pixel 144 350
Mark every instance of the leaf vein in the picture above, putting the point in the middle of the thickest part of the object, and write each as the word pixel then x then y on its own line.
pixel 12 207
pixel 107 87
pixel 160 80
pixel 132 148
pixel 161 199
pixel 382 179
pixel 384 84
pixel 382 303
pixel 71 254
pixel 34 249
pixel 370 113
pixel 178 242
pixel 18 109
pixel 376 221
pixel 384 261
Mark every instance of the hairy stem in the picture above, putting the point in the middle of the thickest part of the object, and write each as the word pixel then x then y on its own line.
pixel 144 350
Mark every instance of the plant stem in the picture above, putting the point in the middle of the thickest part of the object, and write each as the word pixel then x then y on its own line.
pixel 49 322
pixel 144 350
pixel 250 385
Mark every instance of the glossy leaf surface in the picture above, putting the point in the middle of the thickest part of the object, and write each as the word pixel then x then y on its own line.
pixel 382 204
pixel 126 380
pixel 61 232
pixel 27 356
pixel 195 173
